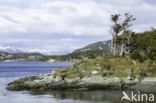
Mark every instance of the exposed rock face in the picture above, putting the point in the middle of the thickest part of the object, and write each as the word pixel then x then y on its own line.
pixel 48 82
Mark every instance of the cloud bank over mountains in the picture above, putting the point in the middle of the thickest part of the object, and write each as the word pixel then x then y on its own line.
pixel 65 25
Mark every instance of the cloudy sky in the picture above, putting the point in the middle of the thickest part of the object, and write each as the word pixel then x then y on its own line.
pixel 61 26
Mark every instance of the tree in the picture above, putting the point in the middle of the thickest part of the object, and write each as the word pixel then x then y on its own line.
pixel 118 27
pixel 126 41
pixel 145 44
pixel 115 31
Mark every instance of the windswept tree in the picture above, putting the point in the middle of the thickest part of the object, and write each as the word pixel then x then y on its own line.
pixel 118 28
pixel 115 29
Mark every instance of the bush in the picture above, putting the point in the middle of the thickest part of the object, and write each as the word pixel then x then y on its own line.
pixel 135 55
pixel 152 55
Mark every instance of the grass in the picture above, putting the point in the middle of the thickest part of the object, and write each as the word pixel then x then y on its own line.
pixel 108 67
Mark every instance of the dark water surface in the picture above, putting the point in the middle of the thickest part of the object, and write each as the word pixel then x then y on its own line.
pixel 10 71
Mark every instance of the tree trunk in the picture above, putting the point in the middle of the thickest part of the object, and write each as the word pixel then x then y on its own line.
pixel 112 46
pixel 122 49
pixel 115 45
pixel 129 42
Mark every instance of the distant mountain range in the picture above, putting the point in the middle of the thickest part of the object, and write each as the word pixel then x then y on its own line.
pixel 90 51
pixel 9 49
pixel 4 56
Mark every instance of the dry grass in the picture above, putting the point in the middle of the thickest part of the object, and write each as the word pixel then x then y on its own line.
pixel 110 66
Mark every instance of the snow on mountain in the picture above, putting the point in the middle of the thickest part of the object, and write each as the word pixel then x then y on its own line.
pixel 9 49
pixel 21 50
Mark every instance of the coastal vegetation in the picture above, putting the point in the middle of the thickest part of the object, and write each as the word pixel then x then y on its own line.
pixel 120 28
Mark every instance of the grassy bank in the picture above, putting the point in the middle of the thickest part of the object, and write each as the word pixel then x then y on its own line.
pixel 115 66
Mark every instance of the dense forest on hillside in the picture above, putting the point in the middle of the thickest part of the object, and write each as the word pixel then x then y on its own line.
pixel 145 44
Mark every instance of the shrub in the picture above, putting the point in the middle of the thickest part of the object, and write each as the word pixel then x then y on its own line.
pixel 152 54
pixel 135 55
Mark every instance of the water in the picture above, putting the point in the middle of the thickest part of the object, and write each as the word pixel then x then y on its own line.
pixel 10 71
pixel 18 69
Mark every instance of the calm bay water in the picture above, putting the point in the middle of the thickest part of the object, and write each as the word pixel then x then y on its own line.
pixel 10 71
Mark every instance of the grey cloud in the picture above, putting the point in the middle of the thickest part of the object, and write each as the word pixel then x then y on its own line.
pixel 65 25
pixel 152 2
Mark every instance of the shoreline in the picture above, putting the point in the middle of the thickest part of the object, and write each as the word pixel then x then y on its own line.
pixel 48 82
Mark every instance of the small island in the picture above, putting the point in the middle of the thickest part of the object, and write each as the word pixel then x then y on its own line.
pixel 95 74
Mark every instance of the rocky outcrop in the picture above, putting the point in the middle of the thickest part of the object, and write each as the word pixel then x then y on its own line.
pixel 50 82
pixel 146 85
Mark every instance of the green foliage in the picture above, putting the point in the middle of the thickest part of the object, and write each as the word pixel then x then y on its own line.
pixel 146 43
pixel 152 54
pixel 115 17
pixel 110 66
pixel 135 55
pixel 118 27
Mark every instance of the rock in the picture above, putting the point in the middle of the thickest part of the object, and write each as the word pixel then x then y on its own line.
pixel 94 72
pixel 146 85
pixel 47 82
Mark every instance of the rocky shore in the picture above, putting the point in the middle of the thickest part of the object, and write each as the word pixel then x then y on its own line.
pixel 94 74
pixel 49 82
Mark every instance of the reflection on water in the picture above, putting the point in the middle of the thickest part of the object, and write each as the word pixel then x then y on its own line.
pixel 27 97
pixel 102 96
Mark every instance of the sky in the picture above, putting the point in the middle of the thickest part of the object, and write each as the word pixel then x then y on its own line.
pixel 61 26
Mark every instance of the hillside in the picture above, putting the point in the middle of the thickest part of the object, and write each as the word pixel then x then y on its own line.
pixel 91 51
pixel 141 59
pixel 102 45
pixel 4 56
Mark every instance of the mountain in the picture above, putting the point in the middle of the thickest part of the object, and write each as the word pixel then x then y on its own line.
pixel 8 53
pixel 4 56
pixel 9 49
pixel 91 51
pixel 100 46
